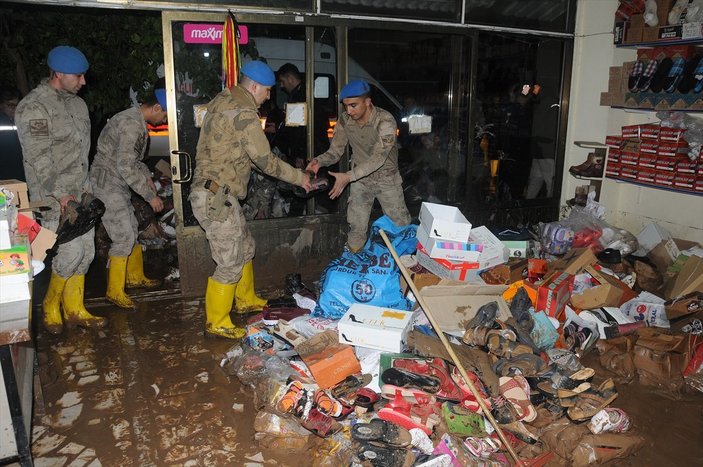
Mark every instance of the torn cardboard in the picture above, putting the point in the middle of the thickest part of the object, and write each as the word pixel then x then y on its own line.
pixel 610 292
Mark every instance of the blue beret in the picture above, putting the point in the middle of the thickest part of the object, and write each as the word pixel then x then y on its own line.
pixel 259 72
pixel 161 97
pixel 354 88
pixel 65 59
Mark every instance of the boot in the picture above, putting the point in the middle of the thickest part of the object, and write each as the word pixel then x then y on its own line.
pixel 218 303
pixel 116 282
pixel 52 305
pixel 590 160
pixel 135 270
pixel 245 295
pixel 73 308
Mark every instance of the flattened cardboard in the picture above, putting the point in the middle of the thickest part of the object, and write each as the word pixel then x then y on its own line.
pixel 453 306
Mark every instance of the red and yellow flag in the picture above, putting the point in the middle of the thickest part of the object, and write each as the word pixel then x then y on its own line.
pixel 230 51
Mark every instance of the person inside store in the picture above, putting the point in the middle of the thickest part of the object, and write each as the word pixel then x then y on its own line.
pixel 11 155
pixel 54 131
pixel 374 175
pixel 118 170
pixel 231 142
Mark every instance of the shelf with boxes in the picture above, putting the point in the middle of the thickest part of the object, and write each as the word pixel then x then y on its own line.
pixel 662 78
pixel 665 25
pixel 654 156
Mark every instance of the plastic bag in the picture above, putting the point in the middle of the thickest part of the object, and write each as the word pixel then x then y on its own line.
pixel 589 231
pixel 253 366
pixel 371 276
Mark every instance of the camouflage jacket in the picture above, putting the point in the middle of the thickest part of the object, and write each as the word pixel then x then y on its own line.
pixel 232 143
pixel 121 148
pixel 54 130
pixel 373 145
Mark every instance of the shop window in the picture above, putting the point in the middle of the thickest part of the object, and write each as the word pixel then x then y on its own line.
pixel 410 73
pixel 516 117
pixel 547 15
pixel 447 10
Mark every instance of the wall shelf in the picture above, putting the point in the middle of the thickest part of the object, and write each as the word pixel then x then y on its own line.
pixel 656 187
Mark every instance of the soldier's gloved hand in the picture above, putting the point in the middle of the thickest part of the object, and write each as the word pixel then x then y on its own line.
pixel 156 204
pixel 64 201
pixel 341 180
pixel 313 166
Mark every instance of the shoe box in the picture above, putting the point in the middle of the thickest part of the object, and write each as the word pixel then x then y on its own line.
pixel 328 360
pixel 375 327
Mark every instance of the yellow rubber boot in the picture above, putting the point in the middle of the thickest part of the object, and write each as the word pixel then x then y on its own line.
pixel 245 296
pixel 135 270
pixel 73 307
pixel 218 304
pixel 115 283
pixel 52 304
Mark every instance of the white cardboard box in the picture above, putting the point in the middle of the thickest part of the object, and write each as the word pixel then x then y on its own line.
pixel 375 327
pixel 444 222
pixel 494 251
pixel 447 269
pixel 444 249
pixel 14 287
pixel 650 236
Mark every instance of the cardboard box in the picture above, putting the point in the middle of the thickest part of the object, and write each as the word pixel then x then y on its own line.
pixel 446 269
pixel 15 260
pixel 494 251
pixel 660 358
pixel 41 239
pixel 609 292
pixel 375 327
pixel 19 190
pixel 650 34
pixel 684 306
pixel 650 236
pixel 453 305
pixel 516 248
pixel 614 141
pixel 328 360
pixel 665 253
pixel 13 288
pixel 444 222
pixel 689 280
pixel 553 293
pixel 443 249
pixel 574 261
pixel 506 274
pixel 164 168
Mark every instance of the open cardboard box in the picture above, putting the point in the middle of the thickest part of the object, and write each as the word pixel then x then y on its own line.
pixel 41 239
pixel 453 303
pixel 665 253
pixel 611 292
pixel 574 260
pixel 688 280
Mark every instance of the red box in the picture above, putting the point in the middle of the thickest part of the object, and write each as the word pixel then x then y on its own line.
pixel 650 131
pixel 553 293
pixel 671 134
pixel 686 167
pixel 672 149
pixel 647 160
pixel 628 158
pixel 614 154
pixel 684 181
pixel 664 178
pixel 612 169
pixel 628 171
pixel 613 141
pixel 649 146
pixel 699 185
pixel 646 175
pixel 667 163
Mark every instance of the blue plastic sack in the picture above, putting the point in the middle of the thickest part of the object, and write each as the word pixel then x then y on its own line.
pixel 369 277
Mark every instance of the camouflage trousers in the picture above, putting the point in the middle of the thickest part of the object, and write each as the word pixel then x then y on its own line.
pixel 72 258
pixel 119 219
pixel 231 242
pixel 386 186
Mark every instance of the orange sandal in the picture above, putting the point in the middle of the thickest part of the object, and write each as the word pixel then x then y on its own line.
pixel 326 404
pixel 290 399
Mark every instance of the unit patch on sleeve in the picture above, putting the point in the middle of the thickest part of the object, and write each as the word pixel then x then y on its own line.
pixel 39 127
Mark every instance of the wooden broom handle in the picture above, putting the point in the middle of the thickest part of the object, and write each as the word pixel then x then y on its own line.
pixel 450 350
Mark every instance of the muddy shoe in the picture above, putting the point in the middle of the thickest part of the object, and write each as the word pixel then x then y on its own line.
pixel 520 309
pixel 384 456
pixel 485 316
pixel 79 218
pixel 404 378
pixel 381 431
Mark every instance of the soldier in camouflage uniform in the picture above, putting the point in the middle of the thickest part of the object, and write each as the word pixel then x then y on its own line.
pixel 231 144
pixel 371 133
pixel 54 130
pixel 117 168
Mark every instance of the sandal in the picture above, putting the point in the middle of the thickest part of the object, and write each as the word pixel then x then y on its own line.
pixel 320 424
pixel 565 360
pixel 610 420
pixel 291 398
pixel 592 401
pixel 528 365
pixel 516 390
pixel 366 398
pixel 404 378
pixel 411 395
pixel 504 347
pixel 349 386
pixel 422 416
pixel 384 456
pixel 382 431
pixel 326 404
pixel 462 422
pixel 468 400
pixel 434 367
pixel 476 336
pixel 482 447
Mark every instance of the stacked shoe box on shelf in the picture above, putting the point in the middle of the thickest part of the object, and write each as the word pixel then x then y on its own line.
pixel 654 155
pixel 450 248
